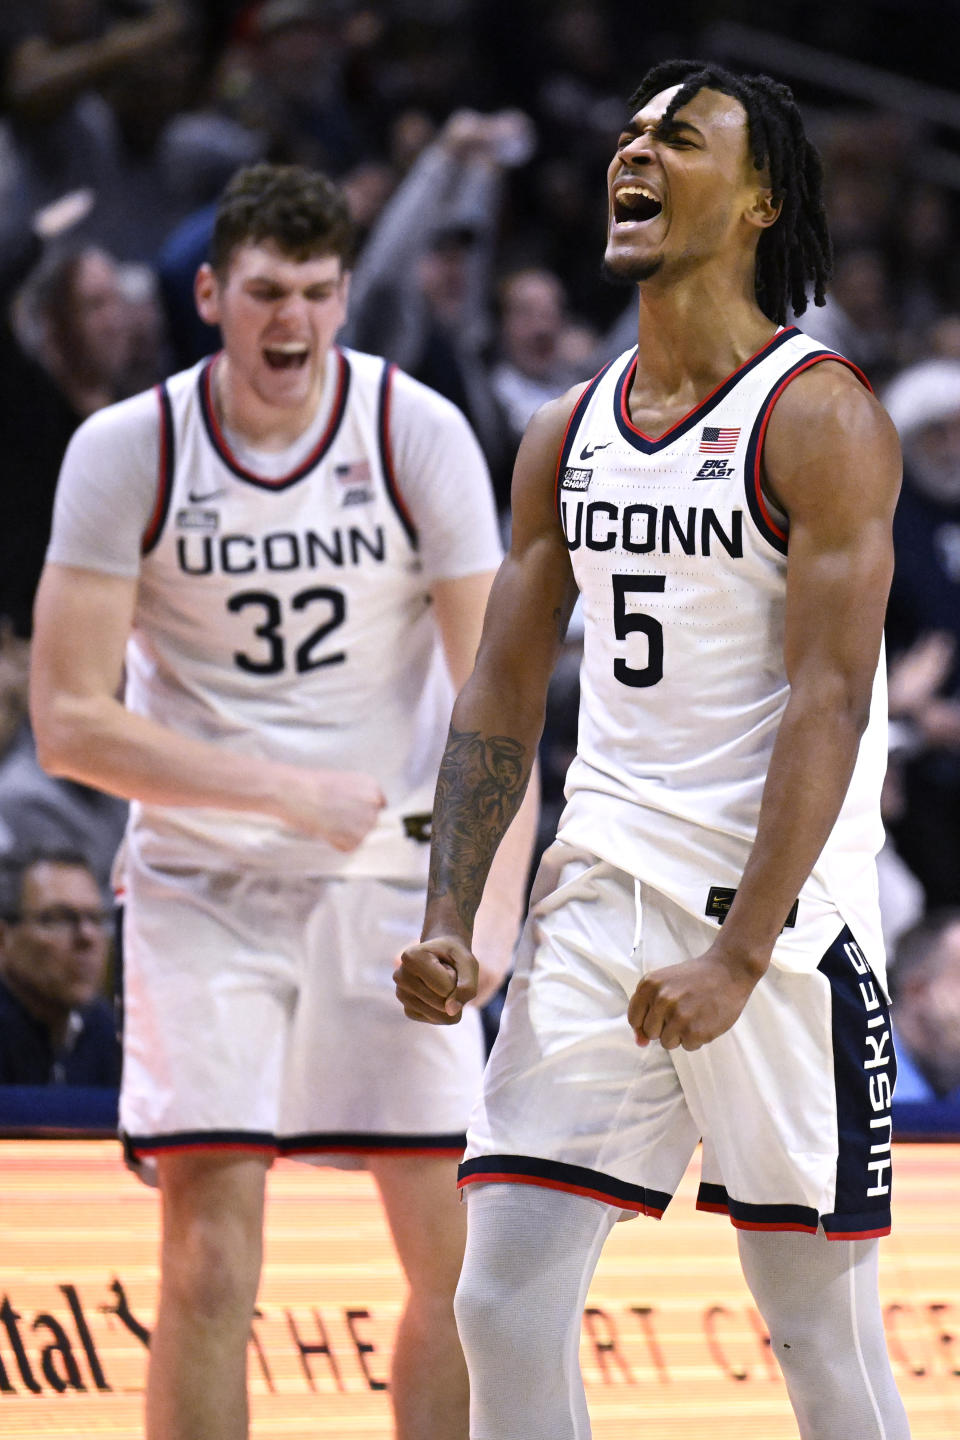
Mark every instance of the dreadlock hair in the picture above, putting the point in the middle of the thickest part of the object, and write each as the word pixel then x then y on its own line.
pixel 795 251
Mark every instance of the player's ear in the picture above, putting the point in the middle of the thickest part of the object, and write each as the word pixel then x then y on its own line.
pixel 206 294
pixel 764 211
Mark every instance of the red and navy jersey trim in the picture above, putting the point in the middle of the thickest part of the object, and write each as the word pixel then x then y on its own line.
pixel 260 1141
pixel 573 425
pixel 280 482
pixel 868 1225
pixel 757 1217
pixel 555 1175
pixel 256 1140
pixel 358 1143
pixel 771 530
pixel 384 397
pixel 165 467
pixel 650 444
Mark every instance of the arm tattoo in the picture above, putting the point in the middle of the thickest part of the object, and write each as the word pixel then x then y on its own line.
pixel 479 790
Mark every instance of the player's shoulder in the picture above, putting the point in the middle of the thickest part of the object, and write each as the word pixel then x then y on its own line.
pixel 118 427
pixel 829 435
pixel 829 403
pixel 134 420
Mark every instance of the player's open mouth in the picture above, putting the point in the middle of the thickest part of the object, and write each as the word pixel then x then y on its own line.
pixel 635 203
pixel 292 356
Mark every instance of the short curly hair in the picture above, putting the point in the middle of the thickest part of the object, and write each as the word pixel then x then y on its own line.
pixel 303 213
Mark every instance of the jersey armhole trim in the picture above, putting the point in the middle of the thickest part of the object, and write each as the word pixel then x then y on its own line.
pixel 774 533
pixel 165 468
pixel 384 400
pixel 572 426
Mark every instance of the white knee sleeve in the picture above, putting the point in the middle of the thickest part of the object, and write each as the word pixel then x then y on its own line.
pixel 531 1254
pixel 820 1301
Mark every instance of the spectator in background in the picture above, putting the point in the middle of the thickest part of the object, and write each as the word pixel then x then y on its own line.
pixel 531 368
pixel 75 320
pixel 927 274
pixel 77 360
pixel 925 984
pixel 119 105
pixel 145 342
pixel 61 59
pixel 56 1028
pixel 422 288
pixel 64 358
pixel 859 319
pixel 923 625
pixel 285 82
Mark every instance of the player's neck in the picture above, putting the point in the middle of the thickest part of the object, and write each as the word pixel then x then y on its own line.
pixel 694 333
pixel 263 424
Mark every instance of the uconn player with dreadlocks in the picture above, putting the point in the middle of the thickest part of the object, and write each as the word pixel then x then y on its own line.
pixel 703 953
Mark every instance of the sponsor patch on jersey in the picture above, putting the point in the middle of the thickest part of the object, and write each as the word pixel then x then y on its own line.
pixel 193 519
pixel 575 478
pixel 714 470
pixel 357 482
pixel 720 898
pixel 417 827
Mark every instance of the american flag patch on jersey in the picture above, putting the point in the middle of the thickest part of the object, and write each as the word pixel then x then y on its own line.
pixel 356 472
pixel 715 441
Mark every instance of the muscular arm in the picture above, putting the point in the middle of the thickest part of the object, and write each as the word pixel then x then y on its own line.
pixel 832 462
pixel 459 606
pixel 495 729
pixel 85 733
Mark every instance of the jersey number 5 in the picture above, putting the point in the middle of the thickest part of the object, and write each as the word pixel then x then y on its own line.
pixel 274 660
pixel 627 622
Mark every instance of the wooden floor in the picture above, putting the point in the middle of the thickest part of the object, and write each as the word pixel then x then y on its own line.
pixel 672 1346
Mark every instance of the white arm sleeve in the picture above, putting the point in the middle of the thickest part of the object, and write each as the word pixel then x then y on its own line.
pixel 443 481
pixel 108 488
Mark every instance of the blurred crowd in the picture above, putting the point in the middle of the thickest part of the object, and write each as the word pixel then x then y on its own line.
pixel 472 138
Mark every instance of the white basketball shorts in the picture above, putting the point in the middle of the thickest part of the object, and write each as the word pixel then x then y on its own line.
pixel 260 1014
pixel 792 1103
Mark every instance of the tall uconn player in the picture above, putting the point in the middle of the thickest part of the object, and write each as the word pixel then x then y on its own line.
pixel 703 956
pixel 289 549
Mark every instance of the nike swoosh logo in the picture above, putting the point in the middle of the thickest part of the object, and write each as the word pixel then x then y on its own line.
pixel 589 450
pixel 196 499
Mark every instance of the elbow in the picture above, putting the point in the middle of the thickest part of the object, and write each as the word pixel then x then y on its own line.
pixel 58 736
pixel 833 692
pixel 841 704
pixel 51 752
pixel 854 704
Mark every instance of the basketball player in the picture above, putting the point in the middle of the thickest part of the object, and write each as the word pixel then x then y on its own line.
pixel 703 953
pixel 289 547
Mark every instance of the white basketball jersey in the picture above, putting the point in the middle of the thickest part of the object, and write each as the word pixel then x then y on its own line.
pixel 289 618
pixel 681 565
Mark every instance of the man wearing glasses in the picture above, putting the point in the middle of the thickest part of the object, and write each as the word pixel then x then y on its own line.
pixel 56 1028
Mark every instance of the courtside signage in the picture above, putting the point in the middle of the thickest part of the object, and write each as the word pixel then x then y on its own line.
pixel 670 1338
